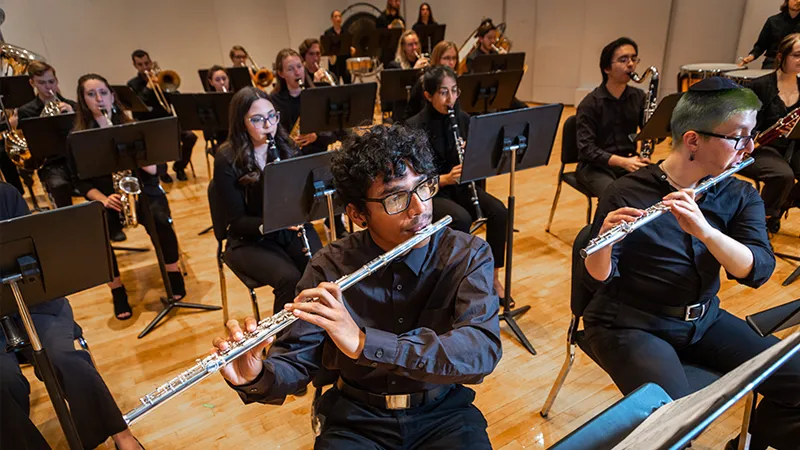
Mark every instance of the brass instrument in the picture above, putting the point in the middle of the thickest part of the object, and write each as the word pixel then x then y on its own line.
pixel 650 103
pixel 265 329
pixel 15 60
pixel 502 45
pixel 128 188
pixel 162 82
pixel 296 128
pixel 53 107
pixel 460 147
pixel 17 146
pixel 499 50
pixel 326 75
pixel 260 77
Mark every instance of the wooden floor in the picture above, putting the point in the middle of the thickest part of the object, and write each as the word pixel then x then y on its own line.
pixel 211 415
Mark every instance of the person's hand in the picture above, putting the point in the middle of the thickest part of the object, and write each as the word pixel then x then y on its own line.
pixel 319 76
pixel 247 367
pixel 65 108
pixel 329 313
pixel 113 201
pixel 633 163
pixel 619 216
pixel 682 205
pixel 451 178
pixel 746 60
pixel 422 62
pixel 13 119
pixel 294 228
pixel 306 139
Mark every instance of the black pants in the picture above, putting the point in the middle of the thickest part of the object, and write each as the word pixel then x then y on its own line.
pixel 597 178
pixel 10 170
pixel 159 208
pixel 636 347
pixel 277 260
pixel 455 201
pixel 340 70
pixel 188 139
pixel 451 422
pixel 778 175
pixel 57 180
pixel 93 409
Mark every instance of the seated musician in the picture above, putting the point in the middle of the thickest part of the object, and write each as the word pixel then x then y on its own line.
pixel 425 16
pixel 311 52
pixel 93 409
pixel 390 17
pixel 775 29
pixel 338 64
pixel 656 300
pixel 778 164
pixel 274 259
pixel 404 340
pixel 453 199
pixel 607 117
pixel 407 57
pixel 54 173
pixel 141 85
pixel 238 56
pixel 445 53
pixel 94 98
pixel 487 36
pixel 218 81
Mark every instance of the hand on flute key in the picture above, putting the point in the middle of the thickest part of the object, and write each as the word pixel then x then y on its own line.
pixel 247 367
pixel 682 205
pixel 619 216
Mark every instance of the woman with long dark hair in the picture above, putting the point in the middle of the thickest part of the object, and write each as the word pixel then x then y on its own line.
pixel 95 100
pixel 425 16
pixel 275 259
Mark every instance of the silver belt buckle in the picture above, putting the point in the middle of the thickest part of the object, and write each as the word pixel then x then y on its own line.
pixel 687 316
pixel 400 401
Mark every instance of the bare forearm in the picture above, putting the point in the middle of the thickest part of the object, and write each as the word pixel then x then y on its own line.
pixel 599 264
pixel 734 256
pixel 95 194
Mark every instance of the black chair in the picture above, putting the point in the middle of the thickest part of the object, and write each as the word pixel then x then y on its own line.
pixel 569 155
pixel 218 223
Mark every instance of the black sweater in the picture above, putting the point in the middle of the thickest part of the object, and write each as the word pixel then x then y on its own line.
pixel 772 106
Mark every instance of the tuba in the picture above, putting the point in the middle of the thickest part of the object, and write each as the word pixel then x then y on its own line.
pixel 128 188
pixel 650 103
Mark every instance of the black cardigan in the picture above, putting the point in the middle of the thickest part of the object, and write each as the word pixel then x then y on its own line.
pixel 772 108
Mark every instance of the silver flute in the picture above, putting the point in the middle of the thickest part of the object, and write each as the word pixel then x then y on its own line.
pixel 265 329
pixel 652 213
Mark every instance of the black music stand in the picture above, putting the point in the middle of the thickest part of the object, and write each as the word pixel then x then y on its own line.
pixel 47 136
pixel 497 62
pixel 15 91
pixel 239 77
pixel 382 44
pixel 775 319
pixel 129 99
pixel 429 35
pixel 794 136
pixel 335 108
pixel 507 142
pixel 299 190
pixel 40 263
pixel 101 151
pixel 396 84
pixel 338 46
pixel 658 126
pixel 484 92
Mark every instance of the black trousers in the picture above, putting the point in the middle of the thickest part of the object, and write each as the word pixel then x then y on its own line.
pixel 277 260
pixel 10 170
pixel 159 207
pixel 636 347
pixel 597 178
pixel 340 70
pixel 188 139
pixel 456 202
pixel 451 422
pixel 778 175
pixel 93 409
pixel 57 180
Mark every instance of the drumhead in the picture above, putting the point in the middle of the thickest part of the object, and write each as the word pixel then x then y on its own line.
pixel 749 74
pixel 710 67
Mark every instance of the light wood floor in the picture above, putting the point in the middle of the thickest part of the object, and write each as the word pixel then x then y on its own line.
pixel 211 416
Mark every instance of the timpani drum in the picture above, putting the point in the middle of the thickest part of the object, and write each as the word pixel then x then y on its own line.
pixel 360 66
pixel 745 77
pixel 693 73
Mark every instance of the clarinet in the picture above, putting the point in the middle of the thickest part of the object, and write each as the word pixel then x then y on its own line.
pixel 652 213
pixel 460 144
pixel 272 147
pixel 265 329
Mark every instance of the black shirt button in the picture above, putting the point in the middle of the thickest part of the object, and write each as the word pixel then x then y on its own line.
pixel 379 353
pixel 399 287
pixel 400 320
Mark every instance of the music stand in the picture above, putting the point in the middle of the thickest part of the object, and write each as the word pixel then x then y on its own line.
pixel 299 190
pixel 40 263
pixel 396 84
pixel 528 134
pixel 129 99
pixel 383 44
pixel 775 319
pixel 335 108
pixel 497 62
pixel 429 35
pixel 16 91
pixel 239 78
pixel 658 126
pixel 794 136
pixel 47 136
pixel 101 151
pixel 482 92
pixel 338 45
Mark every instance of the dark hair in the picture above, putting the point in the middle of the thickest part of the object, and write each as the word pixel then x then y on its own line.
pixel 785 6
pixel 283 54
pixel 486 26
pixel 306 45
pixel 139 54
pixel 211 71
pixel 236 48
pixel 84 117
pixel 433 77
pixel 430 13
pixel 608 53
pixel 335 11
pixel 785 49
pixel 39 68
pixel 383 152
pixel 241 147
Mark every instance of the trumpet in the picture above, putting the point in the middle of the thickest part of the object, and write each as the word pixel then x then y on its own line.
pixel 325 75
pixel 163 82
pixel 460 147
pixel 128 188
pixel 296 127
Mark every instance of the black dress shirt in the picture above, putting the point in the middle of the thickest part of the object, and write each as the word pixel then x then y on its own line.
pixel 659 262
pixel 605 124
pixel 430 318
pixel 477 51
pixel 289 108
pixel 148 96
pixel 35 107
pixel 775 29
pixel 772 106
pixel 416 100
pixel 385 19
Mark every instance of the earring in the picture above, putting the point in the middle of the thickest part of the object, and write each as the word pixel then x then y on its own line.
pixel 363 224
pixel 691 156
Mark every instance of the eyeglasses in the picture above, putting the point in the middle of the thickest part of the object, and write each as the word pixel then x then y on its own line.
pixel 398 202
pixel 627 59
pixel 740 142
pixel 444 92
pixel 259 121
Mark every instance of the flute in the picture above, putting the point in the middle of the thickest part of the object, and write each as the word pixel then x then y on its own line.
pixel 265 329
pixel 652 213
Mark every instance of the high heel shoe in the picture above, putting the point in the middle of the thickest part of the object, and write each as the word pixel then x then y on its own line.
pixel 121 305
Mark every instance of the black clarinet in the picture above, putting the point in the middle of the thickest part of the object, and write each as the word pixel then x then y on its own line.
pixel 16 339
pixel 460 144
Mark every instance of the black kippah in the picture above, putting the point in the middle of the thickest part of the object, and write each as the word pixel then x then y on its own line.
pixel 715 84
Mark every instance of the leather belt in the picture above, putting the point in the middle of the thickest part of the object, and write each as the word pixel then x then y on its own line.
pixel 688 313
pixel 395 401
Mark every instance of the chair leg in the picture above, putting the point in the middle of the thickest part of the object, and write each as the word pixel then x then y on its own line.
pixel 553 208
pixel 223 290
pixel 254 300
pixel 744 433
pixel 589 211
pixel 565 368
pixel 191 165
pixel 208 164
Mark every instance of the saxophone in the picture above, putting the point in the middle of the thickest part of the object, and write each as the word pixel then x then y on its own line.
pixel 128 188
pixel 650 103
pixel 296 128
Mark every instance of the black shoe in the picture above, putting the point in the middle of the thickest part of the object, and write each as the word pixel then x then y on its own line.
pixel 178 286
pixel 121 305
pixel 166 178
pixel 773 224
pixel 181 175
pixel 118 236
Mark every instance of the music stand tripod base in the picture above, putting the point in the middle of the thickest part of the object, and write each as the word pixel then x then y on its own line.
pixel 795 274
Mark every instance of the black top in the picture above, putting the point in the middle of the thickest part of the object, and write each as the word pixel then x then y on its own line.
pixel 775 29
pixel 772 106
pixel 289 108
pixel 416 100
pixel 332 32
pixel 35 107
pixel 385 19
pixel 474 54
pixel 440 134
pixel 659 262
pixel 430 318
pixel 148 96
pixel 605 123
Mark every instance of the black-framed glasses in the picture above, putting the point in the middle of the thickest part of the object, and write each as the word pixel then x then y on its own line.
pixel 259 121
pixel 740 142
pixel 398 202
